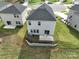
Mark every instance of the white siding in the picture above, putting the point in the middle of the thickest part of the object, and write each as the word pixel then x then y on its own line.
pixel 45 25
pixel 71 12
pixel 24 15
pixel 75 20
pixel 10 17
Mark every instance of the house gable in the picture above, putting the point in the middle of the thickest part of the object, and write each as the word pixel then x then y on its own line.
pixel 44 12
pixel 15 9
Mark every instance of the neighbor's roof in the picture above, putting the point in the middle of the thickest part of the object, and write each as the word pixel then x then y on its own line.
pixel 44 12
pixel 17 8
pixel 75 7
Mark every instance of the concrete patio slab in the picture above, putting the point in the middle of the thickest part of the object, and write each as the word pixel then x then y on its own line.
pixel 9 27
pixel 46 38
pixel 41 44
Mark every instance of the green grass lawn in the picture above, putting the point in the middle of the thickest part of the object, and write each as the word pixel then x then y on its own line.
pixel 15 47
pixel 65 54
pixel 68 1
pixel 53 0
pixel 35 2
pixel 66 36
pixel 12 41
pixel 40 1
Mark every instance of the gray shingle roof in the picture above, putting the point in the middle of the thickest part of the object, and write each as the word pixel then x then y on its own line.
pixel 75 7
pixel 17 8
pixel 44 12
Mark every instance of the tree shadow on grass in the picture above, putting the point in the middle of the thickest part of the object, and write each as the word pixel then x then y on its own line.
pixel 73 32
pixel 30 52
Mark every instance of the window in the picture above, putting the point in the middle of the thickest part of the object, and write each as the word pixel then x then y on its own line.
pixel 39 23
pixel 47 32
pixel 9 22
pixel 70 17
pixel 17 22
pixel 37 31
pixel 29 23
pixel 34 31
pixel 17 16
pixel 75 26
pixel 31 31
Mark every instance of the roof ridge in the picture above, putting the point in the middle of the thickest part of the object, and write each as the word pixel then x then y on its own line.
pixel 16 8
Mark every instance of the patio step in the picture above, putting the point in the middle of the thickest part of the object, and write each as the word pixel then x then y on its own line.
pixel 41 44
pixel 9 27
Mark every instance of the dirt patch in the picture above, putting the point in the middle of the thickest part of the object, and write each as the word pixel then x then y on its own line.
pixel 1 40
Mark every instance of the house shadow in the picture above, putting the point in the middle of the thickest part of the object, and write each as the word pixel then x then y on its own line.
pixel 73 32
pixel 31 52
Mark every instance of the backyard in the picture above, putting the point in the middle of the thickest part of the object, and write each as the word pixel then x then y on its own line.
pixel 11 41
pixel 13 45
pixel 39 1
pixel 66 36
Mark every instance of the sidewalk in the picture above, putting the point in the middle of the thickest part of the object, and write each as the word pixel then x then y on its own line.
pixel 62 15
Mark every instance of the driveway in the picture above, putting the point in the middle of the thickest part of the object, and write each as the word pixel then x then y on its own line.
pixel 58 7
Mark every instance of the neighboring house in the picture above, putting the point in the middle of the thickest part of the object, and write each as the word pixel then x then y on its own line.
pixel 4 5
pixel 11 1
pixel 75 2
pixel 73 17
pixel 41 23
pixel 26 2
pixel 14 15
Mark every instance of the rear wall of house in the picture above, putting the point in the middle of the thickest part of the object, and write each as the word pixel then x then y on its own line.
pixel 45 25
pixel 10 17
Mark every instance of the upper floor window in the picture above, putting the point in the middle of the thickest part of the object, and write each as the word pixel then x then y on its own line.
pixel 29 23
pixel 16 16
pixel 34 31
pixel 39 23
